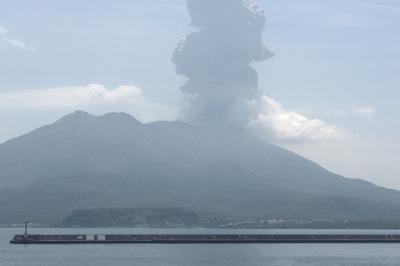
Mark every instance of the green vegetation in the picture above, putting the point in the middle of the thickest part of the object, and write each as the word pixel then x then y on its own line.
pixel 168 217
pixel 180 217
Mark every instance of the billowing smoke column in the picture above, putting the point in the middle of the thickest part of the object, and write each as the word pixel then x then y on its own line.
pixel 216 60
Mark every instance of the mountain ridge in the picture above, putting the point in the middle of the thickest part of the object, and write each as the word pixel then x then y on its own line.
pixel 84 161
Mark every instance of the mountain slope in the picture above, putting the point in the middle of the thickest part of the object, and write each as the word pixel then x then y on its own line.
pixel 83 161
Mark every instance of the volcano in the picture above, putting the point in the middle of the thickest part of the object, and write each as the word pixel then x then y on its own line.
pixel 84 161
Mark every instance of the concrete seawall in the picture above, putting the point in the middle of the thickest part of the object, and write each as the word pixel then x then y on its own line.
pixel 202 239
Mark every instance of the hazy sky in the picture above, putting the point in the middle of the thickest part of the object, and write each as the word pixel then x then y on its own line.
pixel 332 91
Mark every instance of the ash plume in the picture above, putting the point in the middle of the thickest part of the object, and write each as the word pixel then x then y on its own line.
pixel 217 59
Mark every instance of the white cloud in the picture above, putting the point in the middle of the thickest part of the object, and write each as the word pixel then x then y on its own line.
pixel 68 97
pixel 277 122
pixel 94 96
pixel 365 111
pixel 355 111
pixel 385 7
pixel 7 42
pixel 3 31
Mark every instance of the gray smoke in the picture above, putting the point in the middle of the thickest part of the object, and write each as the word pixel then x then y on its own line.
pixel 217 60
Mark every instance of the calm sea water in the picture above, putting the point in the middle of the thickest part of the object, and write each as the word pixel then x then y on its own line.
pixel 194 255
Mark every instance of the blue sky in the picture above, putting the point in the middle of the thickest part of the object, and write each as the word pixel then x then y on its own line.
pixel 336 60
